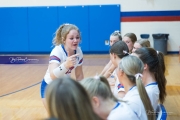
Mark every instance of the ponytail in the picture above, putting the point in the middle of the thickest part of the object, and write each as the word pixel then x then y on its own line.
pixel 104 80
pixel 161 61
pixel 160 77
pixel 145 98
pixel 58 37
pixel 155 61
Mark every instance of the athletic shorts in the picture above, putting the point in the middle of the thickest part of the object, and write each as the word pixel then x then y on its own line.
pixel 43 88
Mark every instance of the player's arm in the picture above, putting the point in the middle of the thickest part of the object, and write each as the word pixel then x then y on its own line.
pixel 109 71
pixel 106 68
pixel 57 71
pixel 79 73
pixel 53 66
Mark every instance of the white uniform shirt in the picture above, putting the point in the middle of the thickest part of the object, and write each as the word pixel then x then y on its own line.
pixel 59 55
pixel 153 93
pixel 118 86
pixel 134 101
pixel 122 112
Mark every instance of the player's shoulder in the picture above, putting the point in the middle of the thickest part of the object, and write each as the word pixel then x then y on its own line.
pixel 123 111
pixel 152 89
pixel 57 49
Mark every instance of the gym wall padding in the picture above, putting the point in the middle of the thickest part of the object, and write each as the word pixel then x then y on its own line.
pixel 103 21
pixel 13 30
pixel 42 23
pixel 79 16
pixel 31 29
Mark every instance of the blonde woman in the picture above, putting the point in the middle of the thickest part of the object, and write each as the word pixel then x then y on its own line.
pixel 103 101
pixel 65 57
pixel 130 75
pixel 68 100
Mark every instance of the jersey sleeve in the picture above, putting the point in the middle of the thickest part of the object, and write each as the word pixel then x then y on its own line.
pixel 80 59
pixel 56 55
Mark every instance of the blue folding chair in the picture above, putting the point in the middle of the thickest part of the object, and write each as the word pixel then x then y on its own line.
pixel 162 114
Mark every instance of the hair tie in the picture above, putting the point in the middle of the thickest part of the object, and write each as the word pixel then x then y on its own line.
pixel 96 76
pixel 66 24
pixel 157 52
pixel 117 31
pixel 138 75
pixel 125 53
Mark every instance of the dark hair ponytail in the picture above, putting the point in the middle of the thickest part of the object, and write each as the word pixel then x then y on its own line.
pixel 155 62
pixel 161 61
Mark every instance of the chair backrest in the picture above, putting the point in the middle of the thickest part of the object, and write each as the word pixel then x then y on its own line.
pixel 162 114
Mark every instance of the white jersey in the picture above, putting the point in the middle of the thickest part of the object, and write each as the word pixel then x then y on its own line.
pixel 122 112
pixel 118 86
pixel 153 93
pixel 59 55
pixel 134 101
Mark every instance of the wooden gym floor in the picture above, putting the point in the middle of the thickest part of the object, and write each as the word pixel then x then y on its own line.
pixel 23 81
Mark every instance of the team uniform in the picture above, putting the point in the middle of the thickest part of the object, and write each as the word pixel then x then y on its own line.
pixel 152 90
pixel 135 103
pixel 118 86
pixel 59 55
pixel 122 112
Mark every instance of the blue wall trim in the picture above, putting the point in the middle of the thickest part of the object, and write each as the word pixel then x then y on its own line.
pixel 173 52
pixel 150 13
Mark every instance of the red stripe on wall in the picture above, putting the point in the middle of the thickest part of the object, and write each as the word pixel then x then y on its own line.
pixel 147 19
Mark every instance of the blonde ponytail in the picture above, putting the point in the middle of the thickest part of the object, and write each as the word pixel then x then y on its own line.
pixel 58 38
pixel 145 99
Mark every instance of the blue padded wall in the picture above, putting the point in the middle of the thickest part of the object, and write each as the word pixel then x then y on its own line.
pixel 42 22
pixel 77 15
pixel 103 21
pixel 31 29
pixel 13 29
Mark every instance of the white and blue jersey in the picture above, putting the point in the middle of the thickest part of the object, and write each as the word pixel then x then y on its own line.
pixel 118 86
pixel 152 90
pixel 122 112
pixel 135 103
pixel 59 55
